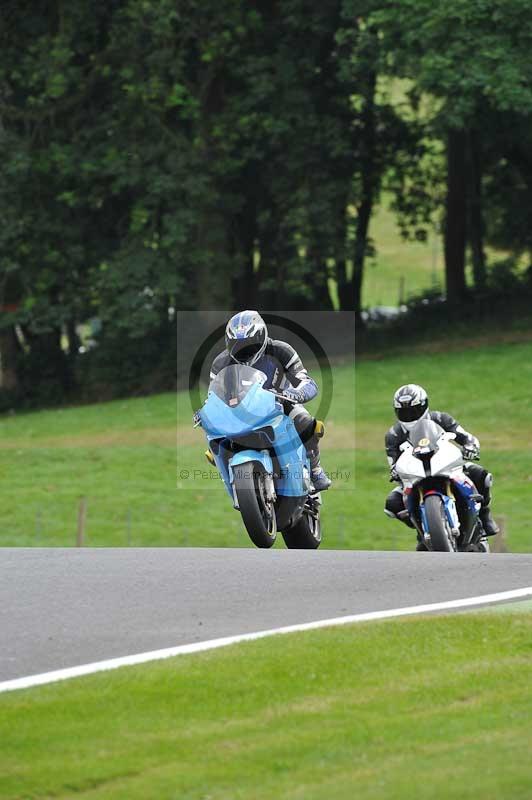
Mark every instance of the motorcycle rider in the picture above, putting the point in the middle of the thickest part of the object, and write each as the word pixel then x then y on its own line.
pixel 411 404
pixel 247 342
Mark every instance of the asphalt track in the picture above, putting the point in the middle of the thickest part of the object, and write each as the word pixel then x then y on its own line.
pixel 65 607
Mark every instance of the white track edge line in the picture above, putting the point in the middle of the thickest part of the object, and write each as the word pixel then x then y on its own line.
pixel 212 644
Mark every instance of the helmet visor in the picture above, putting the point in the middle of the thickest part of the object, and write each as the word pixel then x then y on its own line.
pixel 246 353
pixel 411 413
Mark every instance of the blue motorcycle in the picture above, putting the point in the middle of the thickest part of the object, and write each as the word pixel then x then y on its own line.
pixel 261 459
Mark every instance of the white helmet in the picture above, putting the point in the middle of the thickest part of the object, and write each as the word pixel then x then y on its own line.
pixel 411 404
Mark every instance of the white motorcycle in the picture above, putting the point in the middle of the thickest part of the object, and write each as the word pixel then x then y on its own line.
pixel 442 501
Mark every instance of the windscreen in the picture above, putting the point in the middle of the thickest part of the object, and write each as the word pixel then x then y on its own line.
pixel 233 383
pixel 425 434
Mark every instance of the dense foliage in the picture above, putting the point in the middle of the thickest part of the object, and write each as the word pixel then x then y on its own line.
pixel 170 154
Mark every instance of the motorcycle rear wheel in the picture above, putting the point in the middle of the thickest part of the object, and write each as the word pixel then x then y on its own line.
pixel 258 516
pixel 437 524
pixel 305 534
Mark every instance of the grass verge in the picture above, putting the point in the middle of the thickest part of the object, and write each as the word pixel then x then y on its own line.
pixel 417 707
pixel 122 457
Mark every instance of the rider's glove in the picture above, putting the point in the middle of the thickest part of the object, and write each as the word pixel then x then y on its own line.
pixel 471 451
pixel 394 475
pixel 293 395
pixel 196 419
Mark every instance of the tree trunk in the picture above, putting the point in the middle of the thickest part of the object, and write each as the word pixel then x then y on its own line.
pixel 343 287
pixel 369 188
pixel 9 348
pixel 275 255
pixel 476 222
pixel 74 342
pixel 244 284
pixel 317 279
pixel 361 240
pixel 321 295
pixel 213 284
pixel 342 283
pixel 244 235
pixel 456 215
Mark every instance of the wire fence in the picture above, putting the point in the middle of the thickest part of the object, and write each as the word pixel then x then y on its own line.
pixel 148 526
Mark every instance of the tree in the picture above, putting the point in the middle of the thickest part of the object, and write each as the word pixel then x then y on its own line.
pixel 475 58
pixel 53 229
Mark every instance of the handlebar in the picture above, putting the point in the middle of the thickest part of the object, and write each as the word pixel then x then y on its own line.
pixel 282 397
pixel 196 419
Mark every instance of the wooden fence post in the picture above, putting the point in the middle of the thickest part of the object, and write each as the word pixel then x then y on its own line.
pixel 82 518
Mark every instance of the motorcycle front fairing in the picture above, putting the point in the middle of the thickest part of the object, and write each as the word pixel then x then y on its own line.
pixel 440 471
pixel 448 462
pixel 446 459
pixel 429 456
pixel 256 411
pixel 236 406
pixel 238 410
pixel 410 468
pixel 294 465
pixel 468 491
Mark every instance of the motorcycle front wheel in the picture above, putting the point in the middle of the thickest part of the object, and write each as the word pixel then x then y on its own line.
pixel 440 536
pixel 257 513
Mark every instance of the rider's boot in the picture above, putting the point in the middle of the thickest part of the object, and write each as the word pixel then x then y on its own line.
pixel 404 516
pixel 483 480
pixel 488 523
pixel 395 507
pixel 318 476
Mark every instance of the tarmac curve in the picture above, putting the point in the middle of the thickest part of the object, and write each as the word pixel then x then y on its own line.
pixel 60 608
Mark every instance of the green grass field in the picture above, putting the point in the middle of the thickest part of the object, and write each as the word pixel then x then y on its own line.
pixel 122 457
pixel 399 270
pixel 402 270
pixel 436 707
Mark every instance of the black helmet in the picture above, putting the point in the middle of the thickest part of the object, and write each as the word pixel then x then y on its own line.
pixel 411 404
pixel 246 337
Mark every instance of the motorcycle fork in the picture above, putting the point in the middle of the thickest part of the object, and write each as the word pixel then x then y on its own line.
pixel 448 492
pixel 419 527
